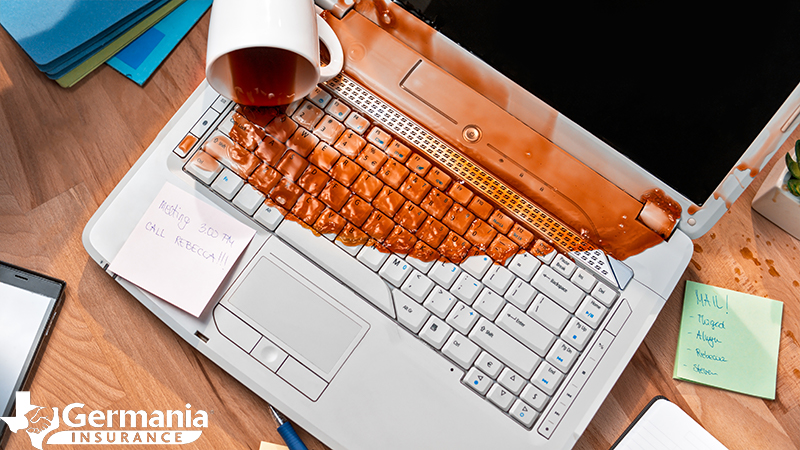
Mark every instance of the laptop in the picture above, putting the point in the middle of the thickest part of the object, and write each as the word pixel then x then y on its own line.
pixel 497 202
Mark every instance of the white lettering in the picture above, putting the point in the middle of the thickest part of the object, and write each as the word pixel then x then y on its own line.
pixel 80 417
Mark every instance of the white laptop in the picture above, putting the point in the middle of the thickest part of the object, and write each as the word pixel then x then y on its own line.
pixel 474 264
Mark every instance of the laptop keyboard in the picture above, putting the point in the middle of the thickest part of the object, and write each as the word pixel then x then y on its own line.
pixel 466 278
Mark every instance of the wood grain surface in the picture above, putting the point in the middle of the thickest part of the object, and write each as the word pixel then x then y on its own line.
pixel 63 150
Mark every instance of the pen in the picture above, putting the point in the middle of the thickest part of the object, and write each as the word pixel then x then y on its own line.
pixel 288 434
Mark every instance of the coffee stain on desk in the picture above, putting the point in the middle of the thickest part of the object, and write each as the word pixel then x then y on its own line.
pixel 748 254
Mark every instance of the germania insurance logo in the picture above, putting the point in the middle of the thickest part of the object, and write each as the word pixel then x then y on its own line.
pixel 106 427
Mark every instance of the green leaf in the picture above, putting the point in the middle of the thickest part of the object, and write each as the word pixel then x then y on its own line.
pixel 794 186
pixel 793 167
pixel 797 150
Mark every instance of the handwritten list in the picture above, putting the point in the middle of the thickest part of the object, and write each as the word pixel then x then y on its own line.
pixel 181 249
pixel 729 340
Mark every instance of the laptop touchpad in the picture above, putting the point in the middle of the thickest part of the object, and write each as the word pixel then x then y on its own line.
pixel 298 313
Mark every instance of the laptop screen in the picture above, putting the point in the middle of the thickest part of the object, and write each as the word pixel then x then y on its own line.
pixel 680 91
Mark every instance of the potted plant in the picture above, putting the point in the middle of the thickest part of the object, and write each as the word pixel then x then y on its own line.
pixel 778 199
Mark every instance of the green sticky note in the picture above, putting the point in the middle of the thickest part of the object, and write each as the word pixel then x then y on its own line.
pixel 729 340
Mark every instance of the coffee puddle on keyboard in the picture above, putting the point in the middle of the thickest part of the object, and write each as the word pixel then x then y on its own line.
pixel 424 241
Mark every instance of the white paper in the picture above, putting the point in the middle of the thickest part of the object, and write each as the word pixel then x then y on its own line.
pixel 665 426
pixel 182 249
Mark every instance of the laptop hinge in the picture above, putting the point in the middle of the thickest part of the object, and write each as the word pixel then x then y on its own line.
pixel 337 7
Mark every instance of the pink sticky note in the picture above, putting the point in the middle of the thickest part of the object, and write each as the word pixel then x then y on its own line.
pixel 182 249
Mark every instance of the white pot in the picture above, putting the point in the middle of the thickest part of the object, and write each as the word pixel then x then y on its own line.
pixel 774 201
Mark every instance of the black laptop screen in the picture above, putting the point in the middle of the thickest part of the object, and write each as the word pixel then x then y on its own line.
pixel 682 91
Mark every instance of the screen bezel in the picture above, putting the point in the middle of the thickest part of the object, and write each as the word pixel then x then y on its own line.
pixel 49 287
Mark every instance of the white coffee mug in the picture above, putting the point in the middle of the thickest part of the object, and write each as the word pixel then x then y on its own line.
pixel 266 52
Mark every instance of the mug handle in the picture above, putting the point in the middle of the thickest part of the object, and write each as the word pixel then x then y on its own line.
pixel 329 38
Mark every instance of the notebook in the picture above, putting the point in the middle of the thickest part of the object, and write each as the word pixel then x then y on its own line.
pixel 442 253
pixel 664 425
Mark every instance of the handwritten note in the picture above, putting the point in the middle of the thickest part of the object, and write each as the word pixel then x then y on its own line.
pixel 181 249
pixel 729 340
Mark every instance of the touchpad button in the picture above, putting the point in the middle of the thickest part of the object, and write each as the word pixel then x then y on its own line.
pixel 288 307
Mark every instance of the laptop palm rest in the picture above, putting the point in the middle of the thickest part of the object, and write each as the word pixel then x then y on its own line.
pixel 300 330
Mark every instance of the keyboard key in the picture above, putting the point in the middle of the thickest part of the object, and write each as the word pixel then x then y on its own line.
pixel 489 303
pixel 547 378
pixel 477 380
pixel 507 349
pixel 437 203
pixel 591 311
pixel 477 265
pixel 421 256
pixel 481 208
pixel 558 288
pixel 249 199
pixel 435 332
pixel 270 150
pixel 372 159
pixel 243 132
pixel 524 265
pixel 418 164
pixel 523 413
pixel 395 270
pixel 544 251
pixel 409 313
pixel 440 302
pixel 605 294
pixel 502 250
pixel 270 215
pixel 501 222
pixel 204 167
pixel 489 364
pixel 583 279
pixel 498 278
pixel 480 234
pixel 561 356
pixel 379 137
pixel 372 257
pixel 281 127
pixel 466 288
pixel 338 110
pixel 204 123
pixel 399 151
pixel 357 122
pixel 462 318
pixel 308 115
pixel 302 142
pixel 417 286
pixel 534 397
pixel 511 380
pixel 500 396
pixel 350 144
pixel 523 327
pixel 461 350
pixel 185 146
pixel 319 97
pixel 458 219
pixel 460 193
pixel 330 224
pixel 520 236
pixel 548 313
pixel 563 265
pixel 227 184
pixel 577 333
pixel 444 273
pixel 520 294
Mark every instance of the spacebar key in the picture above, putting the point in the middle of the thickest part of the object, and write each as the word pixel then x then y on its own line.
pixel 335 261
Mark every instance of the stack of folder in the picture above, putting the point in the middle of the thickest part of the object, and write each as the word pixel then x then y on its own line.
pixel 67 39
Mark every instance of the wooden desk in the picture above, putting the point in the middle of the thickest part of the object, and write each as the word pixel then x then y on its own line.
pixel 61 153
